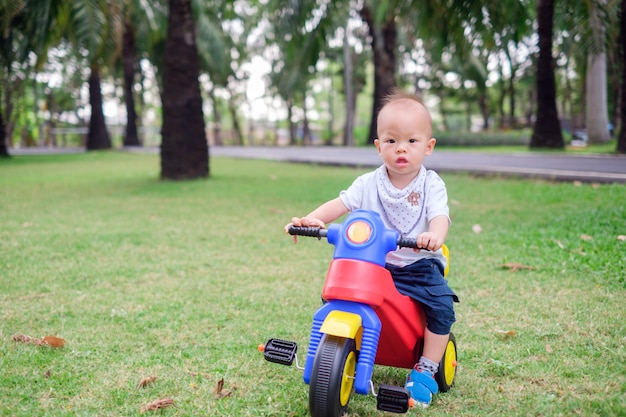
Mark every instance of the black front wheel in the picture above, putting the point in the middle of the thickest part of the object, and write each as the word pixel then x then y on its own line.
pixel 332 377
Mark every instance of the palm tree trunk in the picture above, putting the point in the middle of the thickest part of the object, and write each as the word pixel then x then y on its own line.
pixel 98 136
pixel 621 140
pixel 384 40
pixel 547 132
pixel 184 148
pixel 331 108
pixel 597 118
pixel 128 58
pixel 443 111
pixel 306 129
pixel 348 133
pixel 4 152
pixel 484 109
pixel 511 88
pixel 292 125
pixel 502 123
pixel 237 134
pixel 9 87
pixel 217 119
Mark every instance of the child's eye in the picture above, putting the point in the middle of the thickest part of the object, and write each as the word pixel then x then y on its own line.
pixel 413 140
pixel 391 141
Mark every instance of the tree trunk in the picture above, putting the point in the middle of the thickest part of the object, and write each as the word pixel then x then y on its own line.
pixel 547 132
pixel 4 152
pixel 384 40
pixel 597 119
pixel 443 111
pixel 331 110
pixel 621 140
pixel 292 125
pixel 128 60
pixel 567 110
pixel 511 89
pixel 9 87
pixel 184 147
pixel 484 109
pixel 348 133
pixel 532 99
pixel 306 129
pixel 501 99
pixel 217 119
pixel 237 134
pixel 98 136
pixel 580 117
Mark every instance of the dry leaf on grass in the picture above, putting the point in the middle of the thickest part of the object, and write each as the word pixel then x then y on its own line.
pixel 146 381
pixel 51 341
pixel 219 390
pixel 22 338
pixel 157 405
pixel 586 237
pixel 477 228
pixel 505 334
pixel 621 237
pixel 202 374
pixel 514 267
pixel 537 381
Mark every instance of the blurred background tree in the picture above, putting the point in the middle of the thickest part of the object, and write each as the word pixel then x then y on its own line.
pixel 90 73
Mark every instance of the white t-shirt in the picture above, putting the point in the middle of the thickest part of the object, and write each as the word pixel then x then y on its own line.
pixel 408 210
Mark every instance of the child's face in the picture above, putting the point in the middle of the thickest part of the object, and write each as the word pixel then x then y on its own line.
pixel 404 139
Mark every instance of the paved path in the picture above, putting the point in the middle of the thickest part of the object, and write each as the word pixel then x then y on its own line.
pixel 588 168
pixel 555 166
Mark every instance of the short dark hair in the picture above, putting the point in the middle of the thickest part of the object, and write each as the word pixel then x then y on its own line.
pixel 397 94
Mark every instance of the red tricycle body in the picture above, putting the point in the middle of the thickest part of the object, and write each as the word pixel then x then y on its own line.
pixel 402 319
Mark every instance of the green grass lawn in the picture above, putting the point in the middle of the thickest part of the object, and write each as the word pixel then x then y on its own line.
pixel 182 281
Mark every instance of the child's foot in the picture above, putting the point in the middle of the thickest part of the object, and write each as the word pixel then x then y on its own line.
pixel 421 387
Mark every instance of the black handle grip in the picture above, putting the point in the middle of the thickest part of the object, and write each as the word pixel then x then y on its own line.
pixel 407 242
pixel 307 231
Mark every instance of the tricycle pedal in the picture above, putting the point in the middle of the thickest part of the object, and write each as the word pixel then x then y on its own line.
pixel 392 399
pixel 280 351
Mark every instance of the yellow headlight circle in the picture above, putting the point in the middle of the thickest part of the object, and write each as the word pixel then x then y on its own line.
pixel 359 232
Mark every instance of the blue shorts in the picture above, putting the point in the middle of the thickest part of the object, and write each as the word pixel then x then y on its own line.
pixel 423 281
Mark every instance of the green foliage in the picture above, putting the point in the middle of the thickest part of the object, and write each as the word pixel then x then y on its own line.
pixel 182 280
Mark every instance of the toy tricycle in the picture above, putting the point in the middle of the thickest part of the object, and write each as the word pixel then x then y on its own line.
pixel 363 321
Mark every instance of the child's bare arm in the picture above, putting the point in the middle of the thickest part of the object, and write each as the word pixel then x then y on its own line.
pixel 436 235
pixel 326 213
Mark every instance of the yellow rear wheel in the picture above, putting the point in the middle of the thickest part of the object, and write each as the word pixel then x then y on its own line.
pixel 447 366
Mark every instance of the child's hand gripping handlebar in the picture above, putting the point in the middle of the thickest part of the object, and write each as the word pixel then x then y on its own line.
pixel 307 231
pixel 408 242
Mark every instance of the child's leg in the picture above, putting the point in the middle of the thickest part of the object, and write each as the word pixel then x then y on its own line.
pixel 434 348
pixel 423 281
pixel 421 381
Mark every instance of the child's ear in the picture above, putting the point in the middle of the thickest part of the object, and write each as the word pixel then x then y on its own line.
pixel 430 146
pixel 377 144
